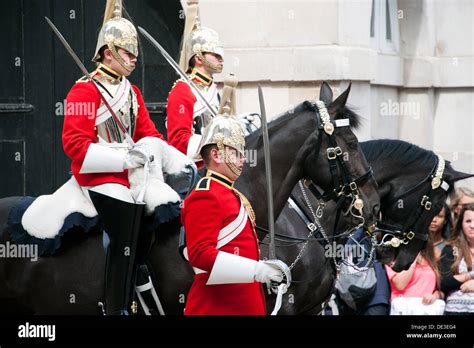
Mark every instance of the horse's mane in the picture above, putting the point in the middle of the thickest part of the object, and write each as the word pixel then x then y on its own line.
pixel 345 112
pixel 397 150
pixel 278 122
pixel 281 120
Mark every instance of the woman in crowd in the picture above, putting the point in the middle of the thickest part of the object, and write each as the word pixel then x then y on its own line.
pixel 416 290
pixel 462 196
pixel 440 230
pixel 456 265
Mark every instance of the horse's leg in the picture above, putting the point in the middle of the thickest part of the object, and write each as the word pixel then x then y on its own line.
pixel 70 282
pixel 172 275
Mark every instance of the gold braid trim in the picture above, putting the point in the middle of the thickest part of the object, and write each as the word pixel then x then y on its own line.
pixel 247 205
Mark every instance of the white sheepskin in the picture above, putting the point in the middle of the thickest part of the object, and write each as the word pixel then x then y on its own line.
pixel 171 160
pixel 157 192
pixel 45 216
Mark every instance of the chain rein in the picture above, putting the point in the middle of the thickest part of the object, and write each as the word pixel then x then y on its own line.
pixel 329 129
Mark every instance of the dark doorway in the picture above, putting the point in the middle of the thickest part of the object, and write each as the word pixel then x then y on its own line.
pixel 38 73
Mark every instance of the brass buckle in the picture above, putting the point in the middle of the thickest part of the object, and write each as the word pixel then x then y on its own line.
pixel 134 307
pixel 353 186
pixel 425 202
pixel 331 153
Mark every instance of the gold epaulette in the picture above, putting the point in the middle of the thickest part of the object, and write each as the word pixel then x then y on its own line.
pixel 247 205
pixel 83 79
pixel 203 184
pixel 178 80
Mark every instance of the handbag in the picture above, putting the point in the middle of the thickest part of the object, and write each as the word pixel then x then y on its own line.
pixel 414 306
pixel 356 287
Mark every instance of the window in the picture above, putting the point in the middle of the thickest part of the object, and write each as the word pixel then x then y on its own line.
pixel 384 33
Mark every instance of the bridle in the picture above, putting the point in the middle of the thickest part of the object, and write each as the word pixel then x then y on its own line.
pixel 345 186
pixel 406 233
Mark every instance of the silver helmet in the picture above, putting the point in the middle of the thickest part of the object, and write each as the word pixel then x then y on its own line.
pixel 116 32
pixel 224 129
pixel 198 40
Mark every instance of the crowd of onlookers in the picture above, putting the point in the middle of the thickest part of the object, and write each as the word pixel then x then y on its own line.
pixel 440 280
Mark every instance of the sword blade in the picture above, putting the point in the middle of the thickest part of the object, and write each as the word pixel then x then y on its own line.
pixel 177 68
pixel 85 72
pixel 268 173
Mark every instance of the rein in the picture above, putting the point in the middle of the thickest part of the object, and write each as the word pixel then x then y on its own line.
pixel 407 232
pixel 344 186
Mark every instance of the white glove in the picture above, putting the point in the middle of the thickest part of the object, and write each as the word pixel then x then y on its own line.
pixel 249 122
pixel 267 273
pixel 137 156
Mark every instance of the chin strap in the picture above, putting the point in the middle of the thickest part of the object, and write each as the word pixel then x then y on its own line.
pixel 119 58
pixel 216 68
pixel 234 169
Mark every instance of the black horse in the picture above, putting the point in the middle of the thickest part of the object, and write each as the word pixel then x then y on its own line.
pixel 71 282
pixel 404 173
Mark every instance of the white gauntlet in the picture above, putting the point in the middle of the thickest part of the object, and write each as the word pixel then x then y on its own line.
pixel 267 273
pixel 137 156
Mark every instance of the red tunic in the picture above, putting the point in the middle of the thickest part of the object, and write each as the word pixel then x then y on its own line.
pixel 204 214
pixel 179 112
pixel 79 132
pixel 185 113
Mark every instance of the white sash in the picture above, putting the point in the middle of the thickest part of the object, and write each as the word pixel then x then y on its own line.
pixel 115 103
pixel 211 97
pixel 233 229
pixel 228 233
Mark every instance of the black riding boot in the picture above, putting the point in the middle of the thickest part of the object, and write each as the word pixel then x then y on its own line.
pixel 121 221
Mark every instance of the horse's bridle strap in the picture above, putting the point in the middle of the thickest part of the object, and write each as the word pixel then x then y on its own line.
pixel 295 206
pixel 333 195
pixel 436 175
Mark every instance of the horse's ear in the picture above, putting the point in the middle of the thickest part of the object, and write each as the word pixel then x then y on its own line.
pixel 325 93
pixel 340 101
pixel 456 176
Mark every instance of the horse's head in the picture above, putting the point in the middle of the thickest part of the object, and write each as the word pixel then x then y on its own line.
pixel 424 203
pixel 335 160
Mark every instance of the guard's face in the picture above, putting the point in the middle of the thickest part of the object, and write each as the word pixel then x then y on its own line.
pixel 214 60
pixel 129 59
pixel 234 157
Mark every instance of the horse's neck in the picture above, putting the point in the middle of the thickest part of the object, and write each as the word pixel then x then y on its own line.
pixel 287 163
pixel 394 176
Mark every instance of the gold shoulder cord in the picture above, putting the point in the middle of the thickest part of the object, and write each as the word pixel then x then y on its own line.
pixel 247 205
